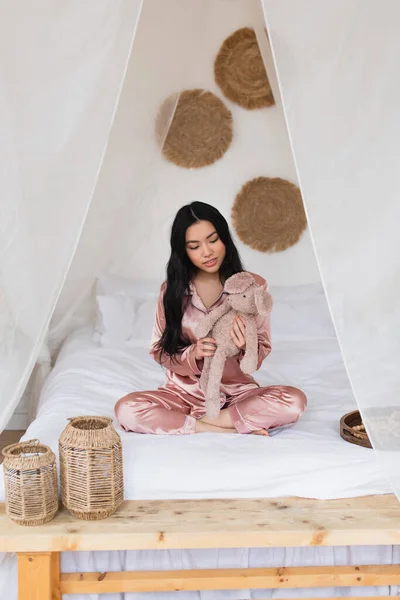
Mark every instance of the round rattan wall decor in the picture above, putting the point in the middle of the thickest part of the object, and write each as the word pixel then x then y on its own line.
pixel 240 73
pixel 194 128
pixel 268 214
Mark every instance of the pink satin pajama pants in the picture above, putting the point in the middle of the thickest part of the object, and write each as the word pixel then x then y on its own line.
pixel 165 411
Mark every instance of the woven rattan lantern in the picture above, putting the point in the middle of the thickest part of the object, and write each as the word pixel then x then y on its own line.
pixel 92 485
pixel 30 477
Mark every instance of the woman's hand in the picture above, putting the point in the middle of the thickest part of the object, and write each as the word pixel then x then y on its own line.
pixel 238 332
pixel 205 347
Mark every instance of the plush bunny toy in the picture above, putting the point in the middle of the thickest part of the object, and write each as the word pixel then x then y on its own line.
pixel 246 299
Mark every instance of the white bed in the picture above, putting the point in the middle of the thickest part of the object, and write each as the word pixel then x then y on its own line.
pixel 309 460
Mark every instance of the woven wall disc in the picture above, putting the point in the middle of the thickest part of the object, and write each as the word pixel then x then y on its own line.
pixel 198 133
pixel 239 71
pixel 268 214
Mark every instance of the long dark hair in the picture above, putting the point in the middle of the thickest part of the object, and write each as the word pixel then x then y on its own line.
pixel 181 270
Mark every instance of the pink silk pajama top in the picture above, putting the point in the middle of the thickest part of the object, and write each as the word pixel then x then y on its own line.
pixel 184 372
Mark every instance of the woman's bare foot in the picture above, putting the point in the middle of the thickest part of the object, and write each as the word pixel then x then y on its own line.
pixel 223 420
pixel 202 427
pixel 260 432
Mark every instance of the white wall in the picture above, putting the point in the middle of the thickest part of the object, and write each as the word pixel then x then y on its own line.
pixel 260 147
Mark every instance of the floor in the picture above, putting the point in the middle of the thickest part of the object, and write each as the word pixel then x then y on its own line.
pixel 9 436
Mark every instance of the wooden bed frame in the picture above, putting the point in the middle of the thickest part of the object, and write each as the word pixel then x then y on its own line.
pixel 250 523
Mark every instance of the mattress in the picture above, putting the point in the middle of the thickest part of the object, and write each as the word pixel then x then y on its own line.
pixel 309 459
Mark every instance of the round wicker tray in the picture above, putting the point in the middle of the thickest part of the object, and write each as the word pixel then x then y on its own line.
pixel 352 429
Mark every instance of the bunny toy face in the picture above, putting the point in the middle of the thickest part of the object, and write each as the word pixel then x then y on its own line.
pixel 245 296
pixel 244 302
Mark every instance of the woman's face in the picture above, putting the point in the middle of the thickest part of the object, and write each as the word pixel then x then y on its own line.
pixel 204 247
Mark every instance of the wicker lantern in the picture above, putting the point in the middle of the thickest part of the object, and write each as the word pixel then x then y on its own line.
pixel 92 485
pixel 30 478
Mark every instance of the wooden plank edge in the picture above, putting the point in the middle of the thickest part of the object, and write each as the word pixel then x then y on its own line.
pixel 179 541
pixel 229 579
pixel 63 542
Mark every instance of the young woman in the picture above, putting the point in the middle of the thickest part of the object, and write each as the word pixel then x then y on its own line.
pixel 203 256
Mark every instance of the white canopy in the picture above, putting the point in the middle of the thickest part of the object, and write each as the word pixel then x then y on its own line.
pixel 84 186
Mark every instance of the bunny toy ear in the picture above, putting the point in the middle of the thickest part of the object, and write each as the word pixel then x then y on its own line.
pixel 238 283
pixel 263 301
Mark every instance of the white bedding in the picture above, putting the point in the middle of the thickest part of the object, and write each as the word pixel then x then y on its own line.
pixel 310 459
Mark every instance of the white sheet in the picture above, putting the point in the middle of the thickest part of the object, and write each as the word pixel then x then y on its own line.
pixel 309 460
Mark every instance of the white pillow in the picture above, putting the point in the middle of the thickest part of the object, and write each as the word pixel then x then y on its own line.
pixel 125 309
pixel 115 319
pixel 144 321
pixel 300 312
